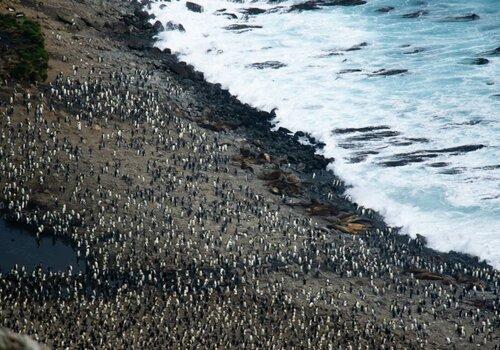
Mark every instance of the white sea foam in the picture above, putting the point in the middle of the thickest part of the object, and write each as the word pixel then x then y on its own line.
pixel 441 102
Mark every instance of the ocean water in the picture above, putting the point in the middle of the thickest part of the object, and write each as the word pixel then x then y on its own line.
pixel 419 142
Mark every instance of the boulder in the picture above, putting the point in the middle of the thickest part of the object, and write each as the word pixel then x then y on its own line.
pixel 12 341
pixel 191 6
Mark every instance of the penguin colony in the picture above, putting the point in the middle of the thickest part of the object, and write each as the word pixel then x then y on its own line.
pixel 181 252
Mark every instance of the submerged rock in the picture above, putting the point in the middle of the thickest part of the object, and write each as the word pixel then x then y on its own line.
pixel 384 9
pixel 241 26
pixel 416 14
pixel 364 129
pixel 316 4
pixel 357 47
pixel 463 18
pixel 267 64
pixel 305 6
pixel 388 72
pixel 253 11
pixel 422 155
pixel 494 52
pixel 414 51
pixel 477 61
pixel 352 70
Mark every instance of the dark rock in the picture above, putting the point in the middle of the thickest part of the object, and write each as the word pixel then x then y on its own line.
pixel 191 6
pixel 345 71
pixel 242 26
pixel 365 129
pixel 459 149
pixel 374 136
pixel 342 2
pixel 137 46
pixel 179 68
pixel 316 4
pixel 142 15
pixel 388 72
pixel 174 26
pixel 384 9
pixel 253 11
pixel 439 164
pixel 284 130
pixel 414 51
pixel 477 61
pixel 305 6
pixel 357 47
pixel 267 64
pixel 158 27
pixel 464 18
pixel 494 52
pixel 416 14
pixel 422 155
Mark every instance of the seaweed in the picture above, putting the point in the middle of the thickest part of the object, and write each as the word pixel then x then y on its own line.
pixel 22 49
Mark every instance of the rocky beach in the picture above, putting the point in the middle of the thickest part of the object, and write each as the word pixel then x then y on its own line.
pixel 199 224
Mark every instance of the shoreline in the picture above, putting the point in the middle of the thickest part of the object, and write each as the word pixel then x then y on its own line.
pixel 252 169
pixel 258 130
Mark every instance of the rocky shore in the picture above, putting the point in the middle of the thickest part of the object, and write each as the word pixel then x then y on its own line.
pixel 200 227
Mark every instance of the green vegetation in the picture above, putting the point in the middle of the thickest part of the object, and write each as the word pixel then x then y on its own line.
pixel 22 49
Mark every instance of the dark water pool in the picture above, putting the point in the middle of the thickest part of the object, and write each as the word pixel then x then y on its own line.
pixel 21 247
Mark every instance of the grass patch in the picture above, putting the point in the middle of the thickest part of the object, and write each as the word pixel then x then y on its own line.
pixel 22 50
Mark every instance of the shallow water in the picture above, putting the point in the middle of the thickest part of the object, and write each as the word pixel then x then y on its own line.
pixel 18 246
pixel 432 162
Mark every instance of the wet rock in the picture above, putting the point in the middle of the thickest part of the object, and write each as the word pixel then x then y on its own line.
pixel 357 47
pixel 494 52
pixel 463 18
pixel 242 26
pixel 459 149
pixel 342 2
pixel 284 130
pixel 384 9
pixel 316 4
pixel 361 156
pixel 388 72
pixel 305 6
pixel 174 26
pixel 373 136
pixel 180 69
pixel 477 61
pixel 414 51
pixel 191 6
pixel 364 129
pixel 158 27
pixel 346 71
pixel 222 12
pixel 422 155
pixel 267 64
pixel 143 15
pixel 416 14
pixel 252 11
